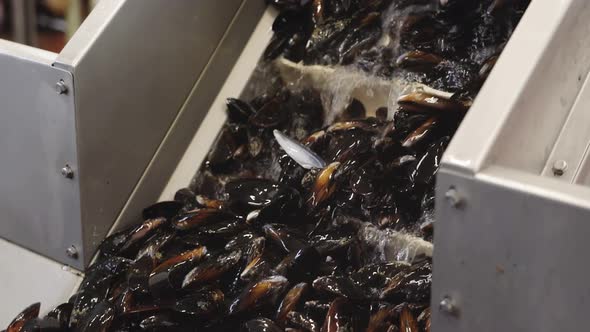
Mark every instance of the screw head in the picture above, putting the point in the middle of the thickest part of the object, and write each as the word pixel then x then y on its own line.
pixel 72 252
pixel 61 88
pixel 67 172
pixel 559 167
pixel 453 197
pixel 447 306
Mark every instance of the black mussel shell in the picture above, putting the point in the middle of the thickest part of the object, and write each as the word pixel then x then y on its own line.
pixel 239 111
pixel 99 318
pixel 275 200
pixel 292 300
pixel 29 313
pixel 201 217
pixel 187 197
pixel 338 286
pixel 211 269
pixel 301 321
pixel 340 316
pixel 288 239
pixel 263 293
pixel 260 325
pixel 95 286
pixel 300 265
pixel 165 210
pixel 62 314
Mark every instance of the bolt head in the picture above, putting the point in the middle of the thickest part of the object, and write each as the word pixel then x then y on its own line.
pixel 453 197
pixel 67 172
pixel 61 87
pixel 447 306
pixel 72 252
pixel 559 167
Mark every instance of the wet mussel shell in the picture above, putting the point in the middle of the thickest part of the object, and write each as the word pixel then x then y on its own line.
pixel 95 286
pixel 263 293
pixel 29 313
pixel 273 199
pixel 260 325
pixel 293 299
pixel 166 209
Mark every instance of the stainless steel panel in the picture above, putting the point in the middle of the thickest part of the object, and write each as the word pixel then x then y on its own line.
pixel 573 141
pixel 523 105
pixel 134 63
pixel 193 112
pixel 512 256
pixel 40 208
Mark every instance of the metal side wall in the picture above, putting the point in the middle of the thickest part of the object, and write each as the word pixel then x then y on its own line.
pixel 193 112
pixel 40 207
pixel 511 256
pixel 134 64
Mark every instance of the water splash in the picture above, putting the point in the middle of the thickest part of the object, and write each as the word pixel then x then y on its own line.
pixel 389 245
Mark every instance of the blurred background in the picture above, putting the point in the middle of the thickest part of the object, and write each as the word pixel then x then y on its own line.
pixel 46 24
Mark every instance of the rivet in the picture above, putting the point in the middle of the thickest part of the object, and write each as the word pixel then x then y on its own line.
pixel 61 88
pixel 72 252
pixel 453 197
pixel 559 167
pixel 67 172
pixel 448 307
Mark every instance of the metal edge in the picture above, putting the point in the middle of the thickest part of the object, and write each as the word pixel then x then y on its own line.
pixel 573 141
pixel 92 27
pixel 27 52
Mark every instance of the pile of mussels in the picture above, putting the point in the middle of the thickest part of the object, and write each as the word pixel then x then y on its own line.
pixel 277 230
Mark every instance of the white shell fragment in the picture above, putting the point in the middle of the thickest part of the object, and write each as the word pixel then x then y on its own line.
pixel 299 152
